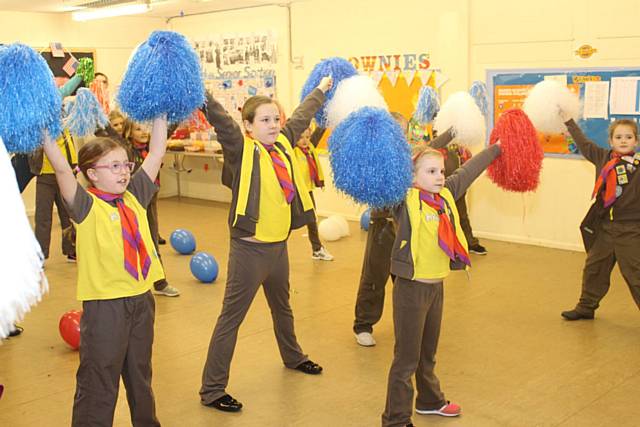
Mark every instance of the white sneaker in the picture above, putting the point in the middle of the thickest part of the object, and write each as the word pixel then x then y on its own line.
pixel 322 254
pixel 168 291
pixel 365 339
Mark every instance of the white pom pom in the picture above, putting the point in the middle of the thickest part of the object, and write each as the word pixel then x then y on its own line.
pixel 544 103
pixel 329 230
pixel 342 224
pixel 352 94
pixel 23 281
pixel 461 113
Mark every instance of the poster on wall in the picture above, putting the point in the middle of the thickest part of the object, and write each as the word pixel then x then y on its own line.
pixel 237 66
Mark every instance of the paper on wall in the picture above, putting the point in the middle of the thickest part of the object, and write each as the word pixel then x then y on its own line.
pixel 596 100
pixel 625 95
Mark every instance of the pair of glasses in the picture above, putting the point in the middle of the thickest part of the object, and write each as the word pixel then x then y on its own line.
pixel 117 167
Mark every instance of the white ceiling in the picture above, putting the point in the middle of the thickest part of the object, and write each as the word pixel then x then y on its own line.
pixel 160 8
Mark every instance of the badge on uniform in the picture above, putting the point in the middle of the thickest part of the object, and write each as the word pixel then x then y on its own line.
pixel 114 216
pixel 623 179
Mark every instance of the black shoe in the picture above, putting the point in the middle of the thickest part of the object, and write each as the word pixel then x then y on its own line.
pixel 72 258
pixel 161 241
pixel 478 249
pixel 226 403
pixel 309 367
pixel 576 315
pixel 16 331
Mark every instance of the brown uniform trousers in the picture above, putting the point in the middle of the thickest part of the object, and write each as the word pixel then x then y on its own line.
pixel 376 267
pixel 417 316
pixel 615 242
pixel 312 228
pixel 48 193
pixel 116 338
pixel 250 265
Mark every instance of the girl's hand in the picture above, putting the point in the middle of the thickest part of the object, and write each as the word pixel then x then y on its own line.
pixel 325 84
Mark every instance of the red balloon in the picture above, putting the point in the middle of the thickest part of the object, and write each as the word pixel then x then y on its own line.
pixel 69 327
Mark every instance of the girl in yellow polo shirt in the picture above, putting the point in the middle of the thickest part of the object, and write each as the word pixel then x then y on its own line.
pixel 313 175
pixel 268 200
pixel 117 265
pixel 429 244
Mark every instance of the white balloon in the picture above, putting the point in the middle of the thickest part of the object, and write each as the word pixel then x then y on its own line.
pixel 329 230
pixel 342 224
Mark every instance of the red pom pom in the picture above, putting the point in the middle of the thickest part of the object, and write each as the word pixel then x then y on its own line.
pixel 518 167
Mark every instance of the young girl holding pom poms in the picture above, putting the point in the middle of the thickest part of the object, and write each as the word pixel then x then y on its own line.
pixel 429 243
pixel 268 201
pixel 117 265
pixel 611 229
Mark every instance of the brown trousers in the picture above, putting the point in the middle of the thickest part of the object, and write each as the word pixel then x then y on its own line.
pixel 615 242
pixel 48 193
pixel 312 228
pixel 116 337
pixel 376 267
pixel 250 265
pixel 465 224
pixel 152 217
pixel 417 316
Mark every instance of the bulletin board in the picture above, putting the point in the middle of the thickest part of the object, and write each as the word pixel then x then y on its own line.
pixel 607 94
pixel 56 63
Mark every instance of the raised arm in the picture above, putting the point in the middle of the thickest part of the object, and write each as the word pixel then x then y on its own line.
pixel 442 140
pixel 463 177
pixel 71 85
pixel 301 117
pixel 589 149
pixel 157 147
pixel 227 130
pixel 316 136
pixel 64 175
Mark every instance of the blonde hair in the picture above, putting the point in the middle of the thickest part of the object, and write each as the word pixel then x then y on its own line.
pixel 116 114
pixel 421 152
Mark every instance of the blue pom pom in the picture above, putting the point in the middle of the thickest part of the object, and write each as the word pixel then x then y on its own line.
pixel 478 92
pixel 339 69
pixel 86 114
pixel 428 105
pixel 370 158
pixel 163 76
pixel 29 99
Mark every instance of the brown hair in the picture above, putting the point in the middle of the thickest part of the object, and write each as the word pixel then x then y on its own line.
pixel 116 114
pixel 623 122
pixel 423 151
pixel 93 151
pixel 251 105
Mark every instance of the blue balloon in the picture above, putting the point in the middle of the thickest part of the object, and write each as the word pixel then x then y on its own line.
pixel 204 267
pixel 183 241
pixel 364 219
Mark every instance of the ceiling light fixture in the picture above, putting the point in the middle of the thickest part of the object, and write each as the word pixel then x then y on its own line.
pixel 109 12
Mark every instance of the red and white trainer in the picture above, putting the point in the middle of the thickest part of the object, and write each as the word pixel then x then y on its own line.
pixel 448 410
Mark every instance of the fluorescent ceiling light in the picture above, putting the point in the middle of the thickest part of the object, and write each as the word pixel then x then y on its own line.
pixel 109 12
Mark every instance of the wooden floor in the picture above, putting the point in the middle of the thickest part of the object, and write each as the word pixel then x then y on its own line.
pixel 505 354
